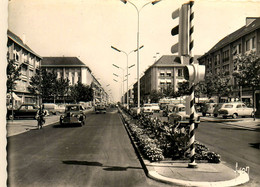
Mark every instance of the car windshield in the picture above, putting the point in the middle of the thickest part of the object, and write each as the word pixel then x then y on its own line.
pixel 73 108
pixel 182 109
pixel 228 106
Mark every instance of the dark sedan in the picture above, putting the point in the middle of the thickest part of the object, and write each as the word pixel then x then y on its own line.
pixel 74 114
pixel 24 111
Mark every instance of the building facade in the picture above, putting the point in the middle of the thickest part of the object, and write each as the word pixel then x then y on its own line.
pixel 166 72
pixel 29 61
pixel 221 57
pixel 68 67
pixel 76 71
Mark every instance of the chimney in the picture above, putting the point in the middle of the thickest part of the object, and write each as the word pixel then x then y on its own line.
pixel 249 20
pixel 24 39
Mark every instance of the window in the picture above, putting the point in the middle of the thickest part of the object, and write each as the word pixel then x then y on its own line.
pixel 168 74
pixel 228 106
pixel 239 106
pixel 180 72
pixel 31 73
pixel 248 45
pixel 162 74
pixel 24 70
pixel 225 56
pixel 253 43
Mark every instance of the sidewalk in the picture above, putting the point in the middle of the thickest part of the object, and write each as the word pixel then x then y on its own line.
pixel 19 126
pixel 206 174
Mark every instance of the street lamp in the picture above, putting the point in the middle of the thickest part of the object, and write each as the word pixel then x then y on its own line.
pixel 127 99
pixel 122 79
pixel 138 20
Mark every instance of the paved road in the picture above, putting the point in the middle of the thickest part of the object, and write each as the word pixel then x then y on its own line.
pixel 97 154
pixel 234 144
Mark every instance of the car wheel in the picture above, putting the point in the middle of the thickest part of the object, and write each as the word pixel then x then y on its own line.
pixel 196 125
pixel 203 114
pixel 82 123
pixel 10 117
pixel 234 116
pixel 224 117
pixel 215 115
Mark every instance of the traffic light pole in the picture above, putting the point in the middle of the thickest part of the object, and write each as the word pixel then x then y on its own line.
pixel 192 163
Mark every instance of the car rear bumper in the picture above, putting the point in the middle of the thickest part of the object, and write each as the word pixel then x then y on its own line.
pixel 70 121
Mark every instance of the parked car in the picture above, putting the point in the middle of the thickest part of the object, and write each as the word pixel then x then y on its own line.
pixel 235 109
pixel 167 109
pixel 150 108
pixel 100 108
pixel 179 115
pixel 208 108
pixel 60 108
pixel 74 114
pixel 51 108
pixel 24 111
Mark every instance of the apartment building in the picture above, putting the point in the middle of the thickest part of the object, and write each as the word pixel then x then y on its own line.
pixel 76 71
pixel 220 58
pixel 22 55
pixel 68 67
pixel 167 71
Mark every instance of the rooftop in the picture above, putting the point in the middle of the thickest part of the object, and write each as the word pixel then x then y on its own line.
pixel 20 42
pixel 62 62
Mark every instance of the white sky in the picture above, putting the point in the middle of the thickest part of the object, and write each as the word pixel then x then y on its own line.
pixel 87 29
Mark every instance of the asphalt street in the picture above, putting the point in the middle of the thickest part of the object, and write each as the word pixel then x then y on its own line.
pixel 234 144
pixel 97 154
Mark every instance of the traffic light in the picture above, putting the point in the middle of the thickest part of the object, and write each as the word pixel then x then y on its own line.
pixel 194 73
pixel 182 30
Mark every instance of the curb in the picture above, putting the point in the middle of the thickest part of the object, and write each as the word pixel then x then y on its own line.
pixel 242 177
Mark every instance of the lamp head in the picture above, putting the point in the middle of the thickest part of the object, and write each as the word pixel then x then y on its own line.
pixel 156 1
pixel 124 1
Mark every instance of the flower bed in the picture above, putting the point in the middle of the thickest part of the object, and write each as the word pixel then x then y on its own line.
pixel 158 140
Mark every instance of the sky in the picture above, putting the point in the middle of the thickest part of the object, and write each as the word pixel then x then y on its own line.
pixel 88 28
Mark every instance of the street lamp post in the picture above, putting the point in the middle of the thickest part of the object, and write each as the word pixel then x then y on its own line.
pixel 138 18
pixel 127 54
pixel 122 80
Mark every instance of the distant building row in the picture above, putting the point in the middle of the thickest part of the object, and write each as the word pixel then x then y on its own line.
pixel 30 62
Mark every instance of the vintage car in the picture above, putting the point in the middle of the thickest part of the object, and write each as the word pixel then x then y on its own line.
pixel 74 114
pixel 167 109
pixel 100 108
pixel 234 110
pixel 24 111
pixel 179 115
pixel 150 108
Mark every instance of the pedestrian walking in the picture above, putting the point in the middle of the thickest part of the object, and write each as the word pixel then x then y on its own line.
pixel 40 117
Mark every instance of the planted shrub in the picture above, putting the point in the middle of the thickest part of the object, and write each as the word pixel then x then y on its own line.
pixel 158 140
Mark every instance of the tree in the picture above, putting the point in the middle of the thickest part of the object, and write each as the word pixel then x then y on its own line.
pixel 46 85
pixel 61 87
pixel 219 85
pixel 155 96
pixel 81 92
pixel 247 71
pixel 183 88
pixel 13 72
